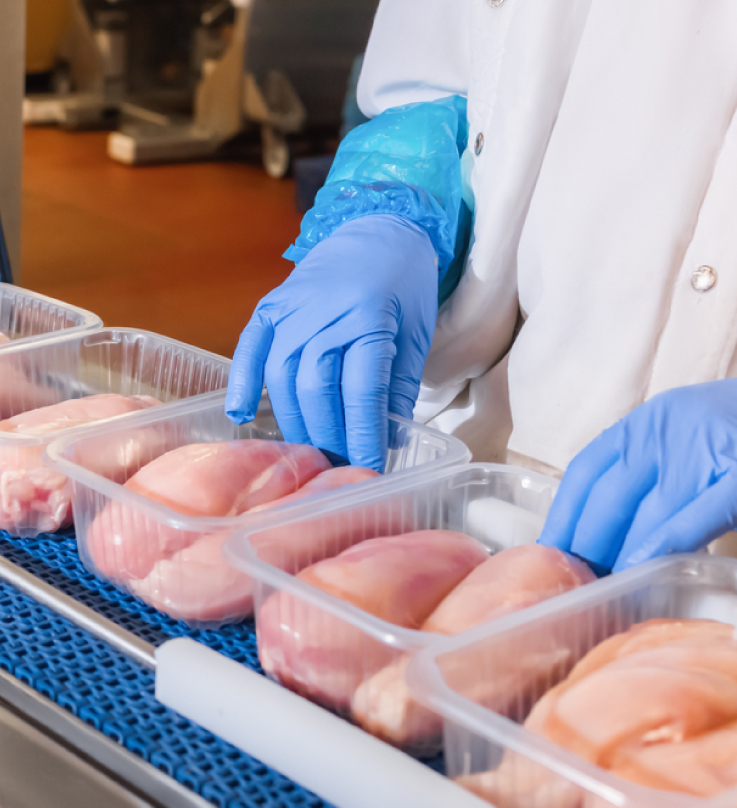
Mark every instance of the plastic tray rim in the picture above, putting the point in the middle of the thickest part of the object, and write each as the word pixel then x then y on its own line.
pixel 77 432
pixel 566 603
pixel 358 495
pixel 91 322
pixel 19 439
pixel 54 458
pixel 67 335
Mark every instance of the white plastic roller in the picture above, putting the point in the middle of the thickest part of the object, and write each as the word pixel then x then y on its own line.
pixel 337 761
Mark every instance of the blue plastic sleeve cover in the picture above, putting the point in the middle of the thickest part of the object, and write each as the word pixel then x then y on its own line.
pixel 405 161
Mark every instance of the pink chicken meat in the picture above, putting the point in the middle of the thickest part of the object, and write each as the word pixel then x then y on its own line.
pixel 197 585
pixel 399 579
pixel 204 479
pixel 34 498
pixel 676 728
pixel 507 582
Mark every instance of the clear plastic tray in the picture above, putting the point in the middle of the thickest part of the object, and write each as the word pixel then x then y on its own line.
pixel 34 499
pixel 501 506
pixel 27 317
pixel 412 447
pixel 537 772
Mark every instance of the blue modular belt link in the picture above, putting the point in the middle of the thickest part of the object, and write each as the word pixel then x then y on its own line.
pixel 116 695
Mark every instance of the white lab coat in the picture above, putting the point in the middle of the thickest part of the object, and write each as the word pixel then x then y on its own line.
pixel 607 176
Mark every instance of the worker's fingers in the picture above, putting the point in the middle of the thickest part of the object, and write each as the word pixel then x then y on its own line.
pixel 281 383
pixel 583 471
pixel 696 524
pixel 367 368
pixel 247 372
pixel 319 390
pixel 609 511
pixel 404 386
pixel 413 345
pixel 664 500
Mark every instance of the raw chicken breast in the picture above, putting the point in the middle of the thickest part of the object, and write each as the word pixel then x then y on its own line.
pixel 197 585
pixel 203 479
pixel 34 498
pixel 326 481
pixel 677 687
pixel 645 636
pixel 507 582
pixel 704 765
pixel 656 705
pixel 400 579
pixel 75 412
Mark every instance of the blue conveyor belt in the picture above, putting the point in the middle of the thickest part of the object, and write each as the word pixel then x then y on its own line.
pixel 53 558
pixel 114 694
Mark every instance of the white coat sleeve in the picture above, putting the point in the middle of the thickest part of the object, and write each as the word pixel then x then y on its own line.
pixel 419 50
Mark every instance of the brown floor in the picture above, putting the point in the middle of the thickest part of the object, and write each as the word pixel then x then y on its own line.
pixel 184 250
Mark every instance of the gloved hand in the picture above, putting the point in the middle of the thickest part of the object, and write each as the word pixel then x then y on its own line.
pixel 662 480
pixel 343 341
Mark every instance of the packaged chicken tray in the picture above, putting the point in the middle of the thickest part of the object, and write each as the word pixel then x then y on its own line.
pixel 192 478
pixel 346 593
pixel 27 317
pixel 623 693
pixel 53 387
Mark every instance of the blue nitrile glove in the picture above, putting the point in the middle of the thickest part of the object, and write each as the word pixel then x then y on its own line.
pixel 343 340
pixel 662 480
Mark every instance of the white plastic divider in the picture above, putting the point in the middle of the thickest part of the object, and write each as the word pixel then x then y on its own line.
pixel 533 770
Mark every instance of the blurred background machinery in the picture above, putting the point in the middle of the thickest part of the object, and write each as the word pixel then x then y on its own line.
pixel 178 79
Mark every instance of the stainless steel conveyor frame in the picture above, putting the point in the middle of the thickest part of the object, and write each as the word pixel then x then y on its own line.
pixel 59 739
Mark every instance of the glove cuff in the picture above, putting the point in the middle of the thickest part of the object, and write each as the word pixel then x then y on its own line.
pixel 343 202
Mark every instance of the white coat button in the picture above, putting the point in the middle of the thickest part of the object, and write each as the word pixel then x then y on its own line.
pixel 703 279
pixel 479 145
pixel 495 3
